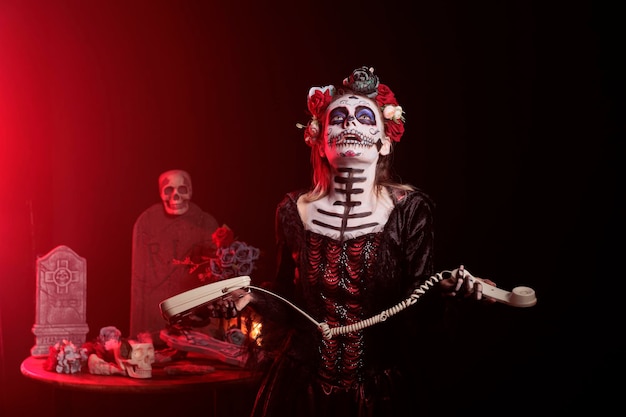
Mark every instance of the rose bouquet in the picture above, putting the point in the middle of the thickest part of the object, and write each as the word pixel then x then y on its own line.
pixel 232 258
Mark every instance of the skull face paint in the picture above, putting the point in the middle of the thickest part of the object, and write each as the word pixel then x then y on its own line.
pixel 354 127
pixel 175 190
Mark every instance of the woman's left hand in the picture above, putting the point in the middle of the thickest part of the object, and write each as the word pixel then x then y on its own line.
pixel 462 284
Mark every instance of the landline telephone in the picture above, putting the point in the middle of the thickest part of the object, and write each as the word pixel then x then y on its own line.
pixel 176 308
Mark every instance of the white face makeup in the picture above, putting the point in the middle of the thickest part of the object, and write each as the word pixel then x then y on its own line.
pixel 354 127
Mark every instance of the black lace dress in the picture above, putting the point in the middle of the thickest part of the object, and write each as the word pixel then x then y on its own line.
pixel 363 373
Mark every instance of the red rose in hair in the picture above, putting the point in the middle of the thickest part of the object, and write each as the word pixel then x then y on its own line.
pixel 318 101
pixel 394 129
pixel 385 96
pixel 223 236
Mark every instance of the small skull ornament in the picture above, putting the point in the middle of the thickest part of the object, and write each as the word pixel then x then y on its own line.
pixel 135 358
pixel 175 190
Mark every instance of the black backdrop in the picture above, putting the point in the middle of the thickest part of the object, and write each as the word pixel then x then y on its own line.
pixel 513 115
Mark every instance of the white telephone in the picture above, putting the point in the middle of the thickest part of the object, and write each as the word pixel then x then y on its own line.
pixel 174 309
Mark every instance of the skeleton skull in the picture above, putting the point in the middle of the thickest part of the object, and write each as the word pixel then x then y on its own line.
pixel 175 189
pixel 135 358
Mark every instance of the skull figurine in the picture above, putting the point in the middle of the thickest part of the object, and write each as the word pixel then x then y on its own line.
pixel 175 189
pixel 135 358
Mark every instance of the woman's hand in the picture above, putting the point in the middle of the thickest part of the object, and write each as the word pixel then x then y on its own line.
pixel 462 284
pixel 230 306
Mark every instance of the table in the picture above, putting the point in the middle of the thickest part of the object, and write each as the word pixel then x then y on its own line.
pixel 228 390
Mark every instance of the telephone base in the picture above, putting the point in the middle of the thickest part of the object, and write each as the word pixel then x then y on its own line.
pixel 212 348
pixel 175 308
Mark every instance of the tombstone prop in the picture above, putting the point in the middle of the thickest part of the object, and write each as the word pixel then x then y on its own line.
pixel 61 300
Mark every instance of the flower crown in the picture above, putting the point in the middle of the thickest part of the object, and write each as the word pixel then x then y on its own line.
pixel 362 81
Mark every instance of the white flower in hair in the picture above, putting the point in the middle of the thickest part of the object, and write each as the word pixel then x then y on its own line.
pixel 391 112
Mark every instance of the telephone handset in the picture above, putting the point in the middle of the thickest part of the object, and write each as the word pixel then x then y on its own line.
pixel 519 297
pixel 175 308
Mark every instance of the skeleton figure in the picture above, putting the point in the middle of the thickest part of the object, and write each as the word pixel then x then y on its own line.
pixel 175 190
pixel 135 358
pixel 174 228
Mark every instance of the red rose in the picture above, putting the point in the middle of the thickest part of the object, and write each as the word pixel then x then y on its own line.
pixel 318 102
pixel 394 129
pixel 223 236
pixel 51 361
pixel 385 96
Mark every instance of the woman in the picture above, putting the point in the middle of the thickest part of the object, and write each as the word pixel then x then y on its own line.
pixel 350 247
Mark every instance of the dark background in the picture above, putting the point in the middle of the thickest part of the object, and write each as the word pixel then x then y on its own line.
pixel 514 110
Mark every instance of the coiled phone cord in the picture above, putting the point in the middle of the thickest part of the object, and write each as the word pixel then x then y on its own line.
pixel 329 332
